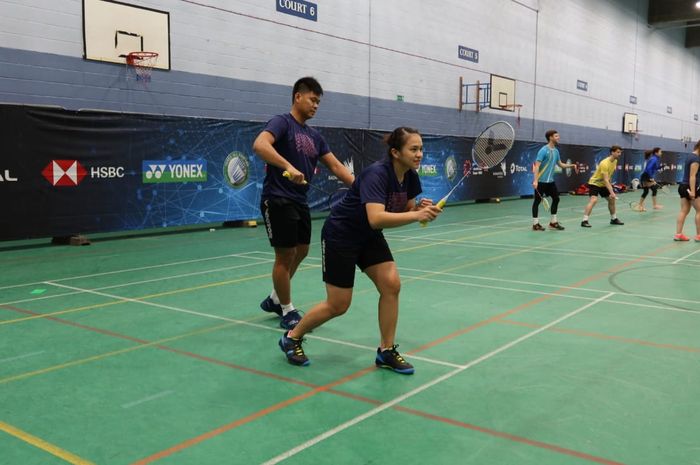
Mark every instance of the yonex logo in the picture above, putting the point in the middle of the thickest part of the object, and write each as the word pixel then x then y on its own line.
pixel 163 171
pixel 64 172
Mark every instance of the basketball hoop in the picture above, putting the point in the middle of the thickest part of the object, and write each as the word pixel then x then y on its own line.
pixel 143 63
pixel 513 107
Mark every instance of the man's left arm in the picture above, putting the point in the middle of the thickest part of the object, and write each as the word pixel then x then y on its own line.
pixel 337 168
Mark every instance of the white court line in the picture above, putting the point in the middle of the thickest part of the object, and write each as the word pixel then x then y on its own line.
pixel 135 283
pixel 557 286
pixel 233 320
pixel 147 399
pixel 532 283
pixel 360 418
pixel 683 258
pixel 32 354
pixel 129 270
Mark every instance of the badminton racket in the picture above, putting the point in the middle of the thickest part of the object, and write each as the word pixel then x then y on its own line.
pixel 333 198
pixel 489 149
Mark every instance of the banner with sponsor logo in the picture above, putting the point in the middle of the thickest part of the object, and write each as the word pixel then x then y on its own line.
pixel 67 172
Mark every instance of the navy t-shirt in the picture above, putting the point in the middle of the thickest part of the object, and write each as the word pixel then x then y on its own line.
pixel 692 158
pixel 299 144
pixel 348 222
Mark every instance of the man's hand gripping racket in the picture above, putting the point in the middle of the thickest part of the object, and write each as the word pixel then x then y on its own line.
pixel 490 149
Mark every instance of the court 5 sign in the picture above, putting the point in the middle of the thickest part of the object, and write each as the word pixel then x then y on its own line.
pixel 466 53
pixel 300 8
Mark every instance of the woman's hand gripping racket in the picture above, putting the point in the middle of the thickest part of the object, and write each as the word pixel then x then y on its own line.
pixel 333 198
pixel 489 149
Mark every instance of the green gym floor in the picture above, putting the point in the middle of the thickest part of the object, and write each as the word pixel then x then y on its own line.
pixel 531 348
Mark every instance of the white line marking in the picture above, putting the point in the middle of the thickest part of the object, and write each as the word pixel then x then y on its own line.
pixel 683 258
pixel 11 359
pixel 134 283
pixel 233 320
pixel 147 399
pixel 129 270
pixel 418 390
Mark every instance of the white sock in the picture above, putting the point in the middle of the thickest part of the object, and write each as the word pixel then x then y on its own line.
pixel 554 219
pixel 287 308
pixel 585 217
pixel 273 296
pixel 535 221
pixel 613 216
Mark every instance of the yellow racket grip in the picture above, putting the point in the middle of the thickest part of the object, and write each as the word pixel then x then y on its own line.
pixel 288 175
pixel 440 204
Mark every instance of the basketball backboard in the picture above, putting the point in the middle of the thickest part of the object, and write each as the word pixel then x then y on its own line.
pixel 502 93
pixel 630 123
pixel 111 30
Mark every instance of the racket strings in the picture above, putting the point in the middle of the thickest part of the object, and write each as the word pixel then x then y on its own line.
pixel 492 145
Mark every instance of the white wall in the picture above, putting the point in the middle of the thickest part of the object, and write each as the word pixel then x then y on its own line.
pixel 369 51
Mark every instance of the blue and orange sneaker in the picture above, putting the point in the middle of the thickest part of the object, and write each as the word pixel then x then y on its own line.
pixel 293 350
pixel 392 359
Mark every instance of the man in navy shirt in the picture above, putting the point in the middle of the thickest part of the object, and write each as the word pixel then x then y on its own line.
pixel 382 196
pixel 291 149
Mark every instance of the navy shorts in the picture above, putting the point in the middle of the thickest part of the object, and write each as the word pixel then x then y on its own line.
pixel 339 259
pixel 288 223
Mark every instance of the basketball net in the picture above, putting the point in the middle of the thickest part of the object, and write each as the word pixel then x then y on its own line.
pixel 142 63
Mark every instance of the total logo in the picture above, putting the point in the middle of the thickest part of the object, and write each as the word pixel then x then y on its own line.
pixel 72 172
pixel 517 168
pixel 6 176
pixel 163 171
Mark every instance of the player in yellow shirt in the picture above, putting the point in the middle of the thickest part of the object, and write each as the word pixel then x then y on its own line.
pixel 600 185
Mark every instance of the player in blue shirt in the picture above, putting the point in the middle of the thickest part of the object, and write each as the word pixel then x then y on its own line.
pixel 382 196
pixel 288 144
pixel 653 163
pixel 543 182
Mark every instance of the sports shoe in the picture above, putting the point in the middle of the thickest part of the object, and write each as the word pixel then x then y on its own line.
pixel 392 359
pixel 537 227
pixel 293 350
pixel 617 222
pixel 681 238
pixel 658 207
pixel 585 224
pixel 697 238
pixel 290 320
pixel 556 226
pixel 269 306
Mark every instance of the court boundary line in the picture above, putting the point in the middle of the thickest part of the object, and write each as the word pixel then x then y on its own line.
pixel 371 413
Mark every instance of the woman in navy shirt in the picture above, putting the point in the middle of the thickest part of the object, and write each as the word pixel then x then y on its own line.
pixel 382 196
pixel 689 190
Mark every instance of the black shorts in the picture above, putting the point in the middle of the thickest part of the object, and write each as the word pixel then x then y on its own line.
pixel 547 189
pixel 683 191
pixel 288 223
pixel 645 180
pixel 594 190
pixel 339 260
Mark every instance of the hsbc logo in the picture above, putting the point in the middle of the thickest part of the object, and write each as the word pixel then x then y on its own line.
pixel 71 172
pixel 64 172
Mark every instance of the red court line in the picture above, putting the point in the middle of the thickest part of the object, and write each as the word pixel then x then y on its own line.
pixel 315 387
pixel 510 437
pixel 251 417
pixel 536 301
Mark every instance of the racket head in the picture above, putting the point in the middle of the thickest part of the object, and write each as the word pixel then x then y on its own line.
pixel 493 144
pixel 665 189
pixel 336 197
pixel 545 203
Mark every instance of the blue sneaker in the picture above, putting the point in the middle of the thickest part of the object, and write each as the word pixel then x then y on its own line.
pixel 293 350
pixel 393 360
pixel 290 320
pixel 269 306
